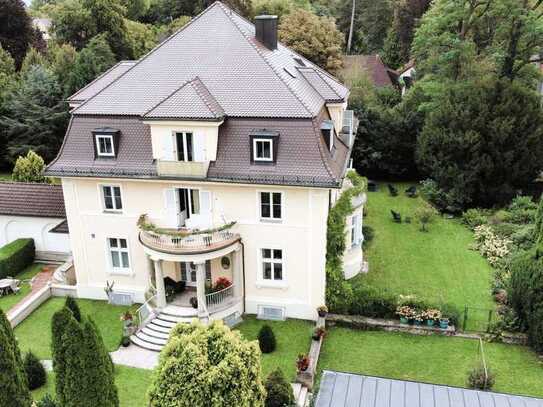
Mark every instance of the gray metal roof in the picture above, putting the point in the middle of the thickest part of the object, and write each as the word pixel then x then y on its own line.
pixel 350 390
pixel 102 81
pixel 219 47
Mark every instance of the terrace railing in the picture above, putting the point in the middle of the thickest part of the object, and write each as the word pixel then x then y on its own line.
pixel 217 298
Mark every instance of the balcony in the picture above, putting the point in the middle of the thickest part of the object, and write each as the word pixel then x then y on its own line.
pixel 182 169
pixel 186 241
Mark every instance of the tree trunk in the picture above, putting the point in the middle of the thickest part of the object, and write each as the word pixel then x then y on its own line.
pixel 350 39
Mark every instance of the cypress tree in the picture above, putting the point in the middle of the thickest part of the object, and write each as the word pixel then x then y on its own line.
pixel 59 326
pixel 35 372
pixel 13 385
pixel 74 392
pixel 266 339
pixel 71 304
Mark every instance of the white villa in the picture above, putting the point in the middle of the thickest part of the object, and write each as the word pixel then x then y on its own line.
pixel 198 179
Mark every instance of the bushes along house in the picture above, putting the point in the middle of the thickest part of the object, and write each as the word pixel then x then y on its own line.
pixel 16 256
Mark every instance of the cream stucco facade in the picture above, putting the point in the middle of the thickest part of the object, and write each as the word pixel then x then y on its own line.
pixel 300 234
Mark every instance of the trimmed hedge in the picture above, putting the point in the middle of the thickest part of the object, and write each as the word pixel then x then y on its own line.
pixel 16 256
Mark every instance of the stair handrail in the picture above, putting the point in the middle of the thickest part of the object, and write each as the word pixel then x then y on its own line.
pixel 144 311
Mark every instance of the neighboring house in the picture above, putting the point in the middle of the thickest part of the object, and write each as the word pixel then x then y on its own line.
pixel 44 25
pixel 218 154
pixel 373 66
pixel 350 390
pixel 406 76
pixel 31 210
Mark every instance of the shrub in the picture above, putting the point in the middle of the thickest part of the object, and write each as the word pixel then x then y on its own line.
pixel 520 216
pixel 425 215
pixel 491 246
pixel 481 380
pixel 47 401
pixel 213 367
pixel 373 303
pixel 368 232
pixel 523 238
pixel 35 372
pixel 474 217
pixel 71 304
pixel 16 256
pixel 29 168
pixel 278 390
pixel 505 229
pixel 535 329
pixel 266 339
pixel 522 202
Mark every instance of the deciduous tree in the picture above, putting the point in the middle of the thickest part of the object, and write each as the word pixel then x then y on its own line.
pixel 16 31
pixel 314 37
pixel 29 168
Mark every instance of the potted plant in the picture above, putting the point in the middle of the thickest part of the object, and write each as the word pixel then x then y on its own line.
pixel 417 319
pixel 322 310
pixel 194 302
pixel 221 283
pixel 318 333
pixel 125 341
pixel 406 313
pixel 302 363
pixel 444 323
pixel 431 315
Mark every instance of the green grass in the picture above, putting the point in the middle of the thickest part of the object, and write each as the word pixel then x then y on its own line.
pixel 5 176
pixel 437 266
pixel 132 385
pixel 431 359
pixel 34 333
pixel 293 336
pixel 8 301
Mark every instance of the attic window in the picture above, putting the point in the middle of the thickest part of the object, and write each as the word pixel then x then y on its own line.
pixel 327 130
pixel 264 144
pixel 104 145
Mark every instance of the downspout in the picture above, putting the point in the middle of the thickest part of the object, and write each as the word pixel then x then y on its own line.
pixel 243 274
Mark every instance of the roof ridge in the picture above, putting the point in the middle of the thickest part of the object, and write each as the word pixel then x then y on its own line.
pixel 139 61
pixel 204 98
pixel 223 7
pixel 111 68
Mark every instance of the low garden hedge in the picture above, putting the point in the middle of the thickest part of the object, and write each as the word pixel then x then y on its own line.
pixel 16 256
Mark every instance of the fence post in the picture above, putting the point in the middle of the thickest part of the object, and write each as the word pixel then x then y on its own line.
pixel 489 320
pixel 465 318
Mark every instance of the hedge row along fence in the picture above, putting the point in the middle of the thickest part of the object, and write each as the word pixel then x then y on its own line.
pixel 16 256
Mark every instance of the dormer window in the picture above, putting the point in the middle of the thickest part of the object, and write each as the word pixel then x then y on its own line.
pixel 262 149
pixel 264 145
pixel 327 130
pixel 106 142
pixel 104 145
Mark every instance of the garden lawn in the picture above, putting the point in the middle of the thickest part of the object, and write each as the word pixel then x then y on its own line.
pixel 432 359
pixel 293 337
pixel 8 301
pixel 5 176
pixel 34 333
pixel 132 385
pixel 437 265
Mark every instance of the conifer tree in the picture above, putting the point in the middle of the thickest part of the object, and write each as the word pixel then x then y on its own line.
pixel 71 304
pixel 58 345
pixel 13 384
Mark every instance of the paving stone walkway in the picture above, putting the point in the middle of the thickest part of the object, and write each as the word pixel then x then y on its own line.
pixel 39 281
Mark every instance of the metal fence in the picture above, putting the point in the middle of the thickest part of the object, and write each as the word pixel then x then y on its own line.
pixel 476 319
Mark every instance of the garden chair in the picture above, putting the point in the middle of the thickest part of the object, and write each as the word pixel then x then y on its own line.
pixel 392 190
pixel 411 192
pixel 396 217
pixel 15 286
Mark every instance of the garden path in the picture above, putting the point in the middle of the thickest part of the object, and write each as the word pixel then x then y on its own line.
pixel 39 281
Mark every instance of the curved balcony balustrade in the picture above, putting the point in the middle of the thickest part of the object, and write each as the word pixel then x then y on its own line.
pixel 185 241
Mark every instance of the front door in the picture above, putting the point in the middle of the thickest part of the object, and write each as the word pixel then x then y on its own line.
pixel 188 273
pixel 183 213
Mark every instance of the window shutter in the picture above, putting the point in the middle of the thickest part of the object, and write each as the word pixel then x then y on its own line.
pixel 205 209
pixel 168 148
pixel 199 147
pixel 172 209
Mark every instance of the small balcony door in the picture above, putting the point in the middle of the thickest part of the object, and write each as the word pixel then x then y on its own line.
pixel 187 207
pixel 188 273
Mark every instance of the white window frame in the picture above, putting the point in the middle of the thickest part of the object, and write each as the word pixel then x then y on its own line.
pixel 97 141
pixel 262 140
pixel 184 146
pixel 355 230
pixel 103 197
pixel 261 281
pixel 118 270
pixel 259 203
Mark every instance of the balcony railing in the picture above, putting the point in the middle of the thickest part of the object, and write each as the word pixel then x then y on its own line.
pixel 191 169
pixel 215 299
pixel 190 243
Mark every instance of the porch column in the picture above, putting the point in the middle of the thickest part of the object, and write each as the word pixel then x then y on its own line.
pixel 237 271
pixel 159 280
pixel 201 289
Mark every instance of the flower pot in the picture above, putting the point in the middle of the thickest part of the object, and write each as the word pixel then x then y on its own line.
pixel 322 314
pixel 126 342
pixel 316 337
pixel 411 321
pixel 194 302
pixel 416 322
pixel 404 320
pixel 443 324
pixel 430 322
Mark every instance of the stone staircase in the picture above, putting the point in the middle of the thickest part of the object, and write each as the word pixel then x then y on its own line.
pixel 154 335
pixel 301 395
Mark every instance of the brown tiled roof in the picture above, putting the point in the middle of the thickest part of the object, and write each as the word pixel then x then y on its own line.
pixel 218 46
pixel 31 199
pixel 102 81
pixel 191 101
pixel 134 153
pixel 378 72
